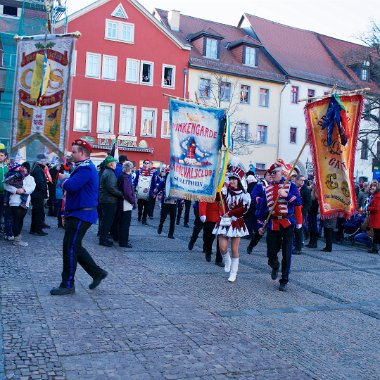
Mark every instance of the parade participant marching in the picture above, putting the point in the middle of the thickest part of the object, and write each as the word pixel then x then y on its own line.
pixel 283 197
pixel 234 203
pixel 80 212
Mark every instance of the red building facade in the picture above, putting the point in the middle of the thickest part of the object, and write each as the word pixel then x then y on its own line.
pixel 125 62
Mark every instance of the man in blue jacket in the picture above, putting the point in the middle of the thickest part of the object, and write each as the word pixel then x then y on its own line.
pixel 80 212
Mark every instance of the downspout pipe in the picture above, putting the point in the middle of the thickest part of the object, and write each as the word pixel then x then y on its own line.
pixel 279 120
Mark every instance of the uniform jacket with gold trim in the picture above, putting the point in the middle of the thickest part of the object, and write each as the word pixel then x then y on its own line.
pixel 288 211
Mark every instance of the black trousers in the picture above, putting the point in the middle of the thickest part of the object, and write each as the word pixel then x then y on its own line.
pixel 125 223
pixel 276 240
pixel 171 209
pixel 18 215
pixel 152 204
pixel 208 240
pixel 186 217
pixel 143 209
pixel 298 239
pixel 328 233
pixel 74 252
pixel 38 215
pixel 109 211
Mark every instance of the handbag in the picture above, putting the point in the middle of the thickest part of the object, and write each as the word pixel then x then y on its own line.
pixel 225 221
pixel 127 206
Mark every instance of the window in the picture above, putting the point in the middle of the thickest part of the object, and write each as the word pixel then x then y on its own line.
pixel 364 150
pixel 82 115
pixel 127 120
pixel 119 31
pixel 364 75
pixel 264 97
pixel 293 135
pixel 148 122
pixel 242 132
pixel 132 68
pixel 73 65
pixel 146 73
pixel 168 76
pixel 225 91
pixel 9 11
pixel 165 124
pixel 310 94
pixel 105 117
pixel 261 136
pixel 93 65
pixel 109 67
pixel 245 94
pixel 204 88
pixel 294 94
pixel 250 57
pixel 211 48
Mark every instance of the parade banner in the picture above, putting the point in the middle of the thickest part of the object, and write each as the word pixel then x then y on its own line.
pixel 195 149
pixel 333 126
pixel 41 96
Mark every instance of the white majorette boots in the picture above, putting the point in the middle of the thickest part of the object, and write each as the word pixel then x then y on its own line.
pixel 234 269
pixel 227 262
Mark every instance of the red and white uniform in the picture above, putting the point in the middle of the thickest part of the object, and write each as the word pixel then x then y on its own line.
pixel 236 204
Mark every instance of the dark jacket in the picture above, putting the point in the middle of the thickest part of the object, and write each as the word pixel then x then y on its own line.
pixel 41 189
pixel 108 190
pixel 125 185
pixel 306 199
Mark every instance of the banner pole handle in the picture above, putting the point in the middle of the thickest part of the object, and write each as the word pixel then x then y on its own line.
pixel 263 228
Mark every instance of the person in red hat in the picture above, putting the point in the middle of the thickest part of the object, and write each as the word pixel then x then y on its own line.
pixel 286 214
pixel 80 212
pixel 234 204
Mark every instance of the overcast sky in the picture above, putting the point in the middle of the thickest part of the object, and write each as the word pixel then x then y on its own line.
pixel 345 19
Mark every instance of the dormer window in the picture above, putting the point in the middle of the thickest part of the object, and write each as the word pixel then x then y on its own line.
pixel 211 50
pixel 250 56
pixel 364 74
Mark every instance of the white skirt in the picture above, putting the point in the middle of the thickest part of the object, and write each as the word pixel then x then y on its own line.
pixel 230 231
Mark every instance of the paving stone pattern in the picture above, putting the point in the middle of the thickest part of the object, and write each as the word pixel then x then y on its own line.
pixel 165 313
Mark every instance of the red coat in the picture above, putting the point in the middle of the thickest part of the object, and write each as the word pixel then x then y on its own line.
pixel 374 211
pixel 210 210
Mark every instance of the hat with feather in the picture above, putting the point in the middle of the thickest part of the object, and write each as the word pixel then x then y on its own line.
pixel 235 169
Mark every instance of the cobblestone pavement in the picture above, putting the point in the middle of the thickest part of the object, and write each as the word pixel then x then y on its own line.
pixel 165 313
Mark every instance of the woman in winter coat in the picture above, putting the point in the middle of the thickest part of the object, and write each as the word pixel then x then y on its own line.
pixel 234 204
pixel 374 215
pixel 128 203
pixel 18 213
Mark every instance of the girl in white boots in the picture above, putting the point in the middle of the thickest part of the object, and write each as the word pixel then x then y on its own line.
pixel 234 204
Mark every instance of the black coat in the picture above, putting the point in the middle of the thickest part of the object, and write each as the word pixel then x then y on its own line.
pixel 41 190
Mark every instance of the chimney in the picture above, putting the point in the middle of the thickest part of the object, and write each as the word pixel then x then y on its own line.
pixel 173 20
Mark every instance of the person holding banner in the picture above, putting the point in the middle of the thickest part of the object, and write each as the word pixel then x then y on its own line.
pixel 234 204
pixel 282 200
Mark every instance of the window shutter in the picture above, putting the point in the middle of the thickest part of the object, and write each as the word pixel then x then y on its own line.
pixel 204 46
pixel 256 57
pixel 218 49
pixel 243 58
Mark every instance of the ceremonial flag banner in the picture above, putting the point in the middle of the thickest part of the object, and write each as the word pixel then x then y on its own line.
pixel 195 150
pixel 41 96
pixel 333 126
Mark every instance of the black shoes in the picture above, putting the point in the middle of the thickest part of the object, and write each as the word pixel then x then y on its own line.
pixel 186 225
pixel 128 245
pixel 274 274
pixel 326 250
pixel 62 291
pixel 171 237
pixel 159 229
pixel 191 245
pixel 177 223
pixel 208 257
pixel 282 287
pixel 98 279
pixel 219 264
pixel 373 250
pixel 106 243
pixel 38 233
pixel 145 223
pixel 296 252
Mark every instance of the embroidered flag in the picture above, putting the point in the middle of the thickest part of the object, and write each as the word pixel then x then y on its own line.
pixel 333 127
pixel 196 140
pixel 224 155
pixel 41 96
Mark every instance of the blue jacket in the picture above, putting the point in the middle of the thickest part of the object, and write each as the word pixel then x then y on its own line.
pixel 82 192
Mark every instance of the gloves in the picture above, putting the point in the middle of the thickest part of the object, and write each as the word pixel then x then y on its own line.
pixel 203 218
pixel 283 193
pixel 298 226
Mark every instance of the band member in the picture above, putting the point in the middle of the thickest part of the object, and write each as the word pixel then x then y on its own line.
pixel 286 214
pixel 234 203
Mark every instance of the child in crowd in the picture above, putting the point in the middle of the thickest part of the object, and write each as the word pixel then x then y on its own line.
pixel 15 177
